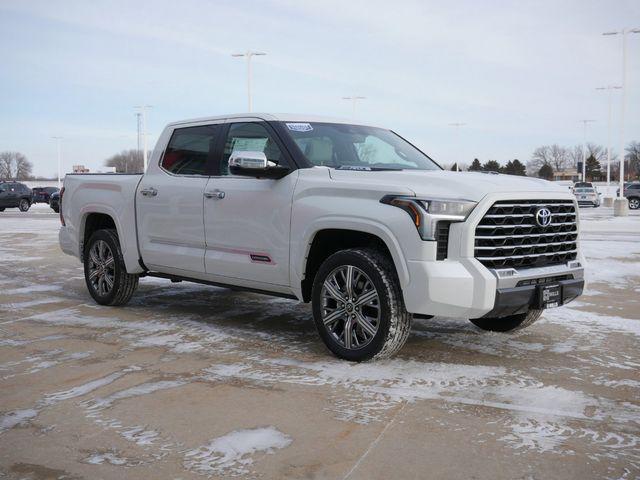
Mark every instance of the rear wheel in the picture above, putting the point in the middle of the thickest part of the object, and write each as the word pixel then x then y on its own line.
pixel 2 209
pixel 358 307
pixel 104 270
pixel 24 205
pixel 508 324
pixel 634 203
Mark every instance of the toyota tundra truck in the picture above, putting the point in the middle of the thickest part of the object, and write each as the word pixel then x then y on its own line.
pixel 348 216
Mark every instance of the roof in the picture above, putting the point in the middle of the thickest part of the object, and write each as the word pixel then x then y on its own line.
pixel 277 117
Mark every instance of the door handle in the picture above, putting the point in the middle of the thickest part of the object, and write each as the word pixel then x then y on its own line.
pixel 219 194
pixel 149 192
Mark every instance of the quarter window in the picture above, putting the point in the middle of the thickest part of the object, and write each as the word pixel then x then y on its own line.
pixel 252 137
pixel 189 149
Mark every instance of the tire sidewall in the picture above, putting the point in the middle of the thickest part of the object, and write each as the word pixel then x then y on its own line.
pixel 377 343
pixel 22 203
pixel 112 240
pixel 637 203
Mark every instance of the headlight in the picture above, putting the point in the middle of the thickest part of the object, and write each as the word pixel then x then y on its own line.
pixel 427 212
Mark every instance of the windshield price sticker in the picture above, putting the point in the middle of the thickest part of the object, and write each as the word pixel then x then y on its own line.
pixel 299 127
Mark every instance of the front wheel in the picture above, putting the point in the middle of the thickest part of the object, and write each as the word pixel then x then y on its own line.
pixel 634 203
pixel 508 324
pixel 24 205
pixel 104 270
pixel 358 307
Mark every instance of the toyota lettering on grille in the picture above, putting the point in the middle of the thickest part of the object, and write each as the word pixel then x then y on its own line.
pixel 543 217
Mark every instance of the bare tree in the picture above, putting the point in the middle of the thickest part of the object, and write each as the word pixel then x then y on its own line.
pixel 14 165
pixel 127 161
pixel 556 156
pixel 632 158
pixel 593 150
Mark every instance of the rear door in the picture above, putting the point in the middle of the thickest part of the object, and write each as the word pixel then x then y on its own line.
pixel 169 202
pixel 247 220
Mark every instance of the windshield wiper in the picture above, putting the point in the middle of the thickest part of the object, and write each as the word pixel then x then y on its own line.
pixel 367 169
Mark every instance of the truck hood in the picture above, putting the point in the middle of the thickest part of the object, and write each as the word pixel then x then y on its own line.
pixel 446 184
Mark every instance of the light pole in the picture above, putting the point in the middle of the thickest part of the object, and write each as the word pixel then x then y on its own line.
pixel 457 125
pixel 248 54
pixel 58 139
pixel 143 111
pixel 621 205
pixel 608 200
pixel 354 99
pixel 584 150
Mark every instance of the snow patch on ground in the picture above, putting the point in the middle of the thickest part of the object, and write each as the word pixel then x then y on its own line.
pixel 111 458
pixel 232 454
pixel 15 418
pixel 138 390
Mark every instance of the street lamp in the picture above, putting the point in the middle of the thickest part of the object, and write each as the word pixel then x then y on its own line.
pixel 354 99
pixel 621 205
pixel 608 200
pixel 584 150
pixel 143 111
pixel 248 54
pixel 457 125
pixel 57 139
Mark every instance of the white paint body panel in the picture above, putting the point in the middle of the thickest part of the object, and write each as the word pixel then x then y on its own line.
pixel 182 233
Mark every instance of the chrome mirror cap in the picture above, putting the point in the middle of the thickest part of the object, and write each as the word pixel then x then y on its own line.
pixel 253 160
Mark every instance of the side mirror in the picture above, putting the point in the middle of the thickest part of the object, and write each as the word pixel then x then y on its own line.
pixel 254 164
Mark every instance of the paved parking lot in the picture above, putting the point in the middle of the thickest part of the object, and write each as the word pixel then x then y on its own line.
pixel 190 381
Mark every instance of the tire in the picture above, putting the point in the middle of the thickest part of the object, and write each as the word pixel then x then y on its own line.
pixel 380 325
pixel 634 203
pixel 2 209
pixel 24 205
pixel 57 210
pixel 511 323
pixel 111 285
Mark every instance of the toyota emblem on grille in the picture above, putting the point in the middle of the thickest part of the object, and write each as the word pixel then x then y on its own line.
pixel 543 217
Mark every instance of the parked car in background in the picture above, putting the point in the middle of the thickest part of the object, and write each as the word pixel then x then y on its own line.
pixel 42 194
pixel 54 201
pixel 15 195
pixel 632 192
pixel 587 196
pixel 350 217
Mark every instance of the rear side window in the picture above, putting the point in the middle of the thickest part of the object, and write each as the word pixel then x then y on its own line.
pixel 190 149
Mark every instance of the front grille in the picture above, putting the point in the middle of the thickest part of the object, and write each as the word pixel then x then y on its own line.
pixel 508 236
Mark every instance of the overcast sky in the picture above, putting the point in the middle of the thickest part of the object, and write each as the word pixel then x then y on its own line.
pixel 520 74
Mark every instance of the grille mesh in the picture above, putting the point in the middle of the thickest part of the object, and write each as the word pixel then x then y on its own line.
pixel 509 237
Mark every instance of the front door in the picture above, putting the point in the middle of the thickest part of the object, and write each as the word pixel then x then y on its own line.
pixel 247 220
pixel 170 203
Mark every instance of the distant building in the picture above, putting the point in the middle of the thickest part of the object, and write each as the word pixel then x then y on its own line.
pixel 80 169
pixel 567 174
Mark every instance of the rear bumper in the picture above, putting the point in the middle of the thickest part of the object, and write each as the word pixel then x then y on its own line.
pixel 511 301
pixel 67 242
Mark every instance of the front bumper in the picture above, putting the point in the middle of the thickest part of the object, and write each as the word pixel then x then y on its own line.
pixel 511 301
pixel 467 289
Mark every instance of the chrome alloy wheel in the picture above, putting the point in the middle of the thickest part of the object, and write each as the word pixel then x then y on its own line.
pixel 101 268
pixel 350 307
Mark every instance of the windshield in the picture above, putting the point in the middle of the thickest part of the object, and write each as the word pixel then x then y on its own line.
pixel 355 147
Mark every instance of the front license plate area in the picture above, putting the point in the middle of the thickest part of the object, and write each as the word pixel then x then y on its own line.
pixel 549 296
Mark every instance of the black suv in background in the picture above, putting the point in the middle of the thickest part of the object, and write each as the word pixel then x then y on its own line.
pixel 632 192
pixel 15 194
pixel 42 194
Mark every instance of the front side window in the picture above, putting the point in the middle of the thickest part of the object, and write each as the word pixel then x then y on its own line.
pixel 189 149
pixel 356 147
pixel 253 137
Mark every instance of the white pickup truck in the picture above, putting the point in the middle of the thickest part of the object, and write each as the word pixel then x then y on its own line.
pixel 350 217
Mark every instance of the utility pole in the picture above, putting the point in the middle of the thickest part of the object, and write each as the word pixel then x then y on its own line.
pixel 248 55
pixel 457 125
pixel 621 205
pixel 354 99
pixel 584 150
pixel 58 139
pixel 608 200
pixel 143 113
pixel 138 120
